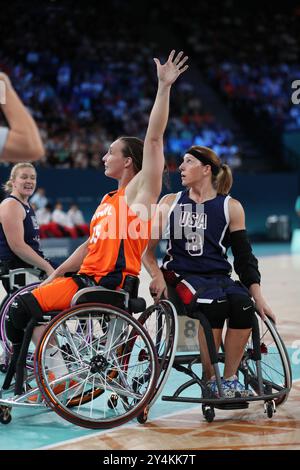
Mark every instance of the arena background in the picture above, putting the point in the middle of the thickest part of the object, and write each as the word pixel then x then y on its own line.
pixel 86 73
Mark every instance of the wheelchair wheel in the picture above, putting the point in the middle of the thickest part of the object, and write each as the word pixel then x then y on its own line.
pixel 275 363
pixel 98 367
pixel 160 321
pixel 6 344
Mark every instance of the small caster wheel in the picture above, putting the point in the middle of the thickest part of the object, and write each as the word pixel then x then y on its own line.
pixel 142 417
pixel 112 401
pixel 208 413
pixel 3 368
pixel 268 389
pixel 270 409
pixel 5 416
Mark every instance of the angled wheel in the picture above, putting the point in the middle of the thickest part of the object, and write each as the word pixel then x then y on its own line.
pixel 6 344
pixel 275 363
pixel 160 321
pixel 98 367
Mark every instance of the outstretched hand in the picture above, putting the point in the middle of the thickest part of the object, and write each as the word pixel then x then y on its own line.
pixel 170 71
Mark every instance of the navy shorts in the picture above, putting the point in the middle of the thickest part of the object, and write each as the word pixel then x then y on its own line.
pixel 206 289
pixel 218 297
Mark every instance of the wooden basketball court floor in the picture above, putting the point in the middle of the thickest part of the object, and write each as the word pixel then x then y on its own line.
pixel 181 426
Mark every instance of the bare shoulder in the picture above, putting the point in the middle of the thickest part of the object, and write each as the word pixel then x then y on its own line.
pixel 10 206
pixel 235 206
pixel 236 215
pixel 168 199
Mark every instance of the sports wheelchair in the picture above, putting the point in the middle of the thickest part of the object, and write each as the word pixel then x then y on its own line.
pixel 264 368
pixel 112 365
pixel 118 366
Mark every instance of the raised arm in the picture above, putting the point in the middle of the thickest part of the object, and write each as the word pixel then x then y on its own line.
pixel 21 141
pixel 148 181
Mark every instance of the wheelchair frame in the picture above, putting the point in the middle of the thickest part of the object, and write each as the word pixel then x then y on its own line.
pixel 31 276
pixel 256 376
pixel 159 324
pixel 116 355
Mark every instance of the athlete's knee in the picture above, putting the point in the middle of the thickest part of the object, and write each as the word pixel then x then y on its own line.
pixel 241 312
pixel 15 335
pixel 23 308
pixel 215 312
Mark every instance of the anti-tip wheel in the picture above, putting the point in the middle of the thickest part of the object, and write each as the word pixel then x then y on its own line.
pixel 5 416
pixel 142 417
pixel 209 414
pixel 3 368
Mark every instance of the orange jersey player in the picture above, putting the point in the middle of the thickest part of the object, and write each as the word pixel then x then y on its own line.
pixel 120 228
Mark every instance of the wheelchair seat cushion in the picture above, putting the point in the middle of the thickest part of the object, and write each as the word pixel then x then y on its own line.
pixel 118 299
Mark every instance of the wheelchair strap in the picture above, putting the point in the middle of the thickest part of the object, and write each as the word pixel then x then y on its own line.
pixel 83 281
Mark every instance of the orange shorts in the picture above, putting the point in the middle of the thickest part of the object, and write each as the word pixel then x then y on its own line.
pixel 57 295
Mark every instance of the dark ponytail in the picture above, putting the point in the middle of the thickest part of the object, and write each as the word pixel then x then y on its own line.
pixel 133 147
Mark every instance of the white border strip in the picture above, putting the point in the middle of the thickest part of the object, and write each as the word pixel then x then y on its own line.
pixel 226 213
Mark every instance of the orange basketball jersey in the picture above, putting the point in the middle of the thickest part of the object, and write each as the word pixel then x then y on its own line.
pixel 118 238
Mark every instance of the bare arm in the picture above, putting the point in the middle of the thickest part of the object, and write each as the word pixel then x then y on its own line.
pixel 23 141
pixel 237 222
pixel 158 285
pixel 145 187
pixel 12 216
pixel 72 264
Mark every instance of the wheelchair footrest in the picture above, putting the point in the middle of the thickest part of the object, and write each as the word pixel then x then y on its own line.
pixel 232 406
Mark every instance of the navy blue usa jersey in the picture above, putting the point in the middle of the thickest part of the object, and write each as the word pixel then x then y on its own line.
pixel 31 234
pixel 198 236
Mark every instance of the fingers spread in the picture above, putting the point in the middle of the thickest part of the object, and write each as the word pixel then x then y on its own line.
pixel 178 57
pixel 184 69
pixel 180 64
pixel 171 56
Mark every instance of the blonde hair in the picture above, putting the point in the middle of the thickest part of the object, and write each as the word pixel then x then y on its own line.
pixel 222 181
pixel 8 186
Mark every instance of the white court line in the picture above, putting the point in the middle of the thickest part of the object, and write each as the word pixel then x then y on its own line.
pixel 109 431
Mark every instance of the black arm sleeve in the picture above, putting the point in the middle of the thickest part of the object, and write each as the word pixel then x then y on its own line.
pixel 245 264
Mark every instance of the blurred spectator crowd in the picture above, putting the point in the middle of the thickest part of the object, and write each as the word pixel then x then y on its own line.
pixel 55 222
pixel 85 89
pixel 250 52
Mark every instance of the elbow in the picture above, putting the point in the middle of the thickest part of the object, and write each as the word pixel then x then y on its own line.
pixel 32 148
pixel 16 244
pixel 16 248
pixel 146 257
pixel 149 254
pixel 35 151
pixel 156 140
